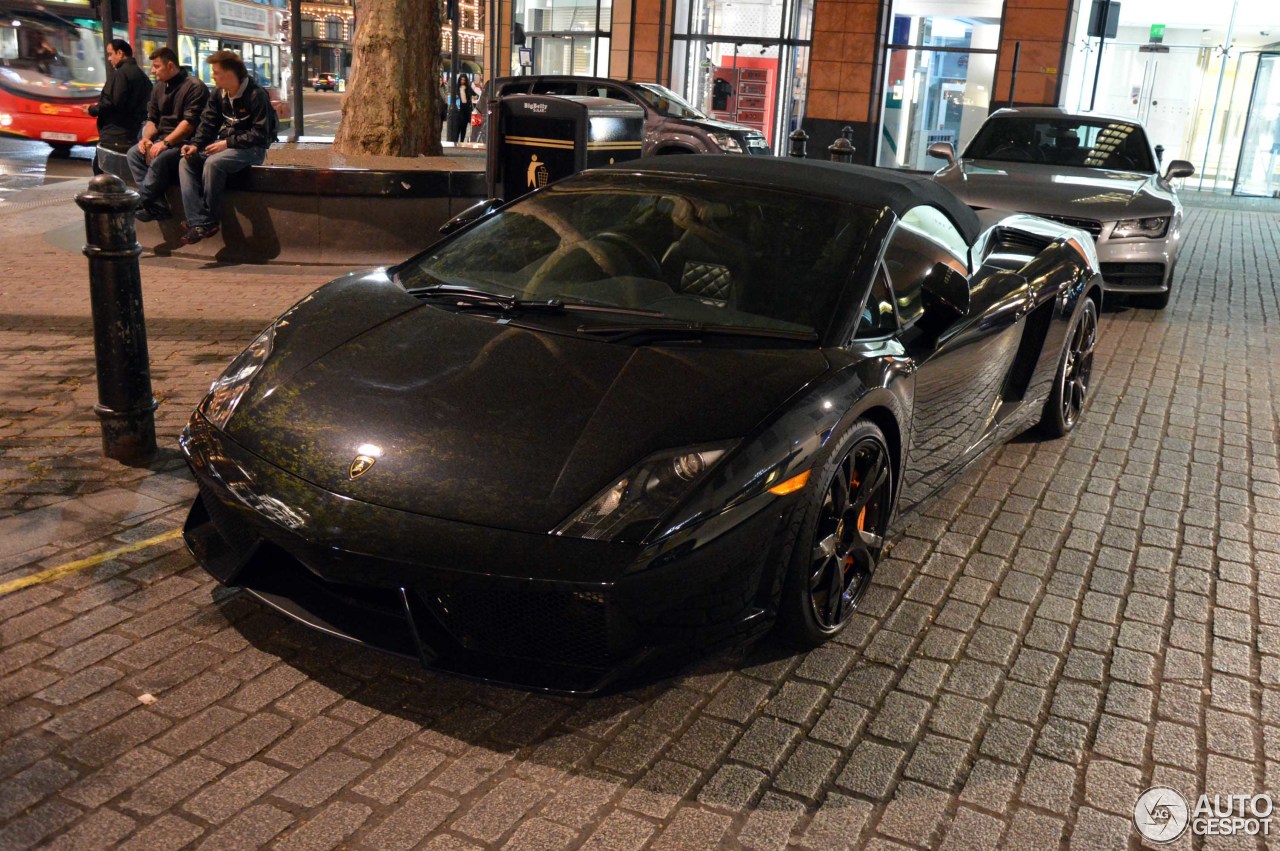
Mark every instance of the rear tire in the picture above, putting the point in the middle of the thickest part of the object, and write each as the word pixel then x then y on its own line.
pixel 838 534
pixel 1075 370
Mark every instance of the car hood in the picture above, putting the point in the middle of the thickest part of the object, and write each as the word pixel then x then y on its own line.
pixel 494 424
pixel 712 125
pixel 1086 193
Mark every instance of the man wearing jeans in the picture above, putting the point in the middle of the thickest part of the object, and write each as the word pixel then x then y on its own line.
pixel 172 115
pixel 236 128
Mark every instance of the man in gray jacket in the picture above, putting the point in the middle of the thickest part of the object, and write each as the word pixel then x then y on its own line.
pixel 173 113
pixel 236 128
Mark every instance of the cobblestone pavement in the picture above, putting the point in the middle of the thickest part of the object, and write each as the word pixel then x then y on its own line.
pixel 1075 621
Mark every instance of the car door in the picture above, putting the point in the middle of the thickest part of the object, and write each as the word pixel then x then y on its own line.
pixel 962 340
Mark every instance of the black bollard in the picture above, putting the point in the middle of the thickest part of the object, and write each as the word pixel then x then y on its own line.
pixel 799 144
pixel 1159 154
pixel 841 150
pixel 125 404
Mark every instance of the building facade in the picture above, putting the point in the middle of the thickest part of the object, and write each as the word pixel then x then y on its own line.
pixel 903 74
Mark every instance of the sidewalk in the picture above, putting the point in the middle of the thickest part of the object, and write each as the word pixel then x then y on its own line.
pixel 1074 622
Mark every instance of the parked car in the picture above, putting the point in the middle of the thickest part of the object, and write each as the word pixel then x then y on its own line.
pixel 647 409
pixel 671 125
pixel 1094 172
pixel 326 82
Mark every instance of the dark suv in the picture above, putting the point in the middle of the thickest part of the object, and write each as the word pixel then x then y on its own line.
pixel 671 126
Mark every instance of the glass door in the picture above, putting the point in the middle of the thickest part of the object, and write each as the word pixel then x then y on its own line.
pixel 1258 172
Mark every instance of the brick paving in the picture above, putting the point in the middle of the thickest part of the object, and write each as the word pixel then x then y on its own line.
pixel 1073 622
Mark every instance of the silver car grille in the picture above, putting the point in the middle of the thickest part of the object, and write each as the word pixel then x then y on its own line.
pixel 1092 226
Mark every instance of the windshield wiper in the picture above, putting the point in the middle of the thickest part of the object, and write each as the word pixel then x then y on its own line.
pixel 696 329
pixel 471 297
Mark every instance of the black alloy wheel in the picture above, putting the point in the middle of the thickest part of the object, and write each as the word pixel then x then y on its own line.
pixel 1071 389
pixel 841 537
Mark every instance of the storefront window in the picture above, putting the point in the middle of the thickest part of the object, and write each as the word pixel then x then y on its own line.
pixel 744 62
pixel 938 79
pixel 1258 172
pixel 566 36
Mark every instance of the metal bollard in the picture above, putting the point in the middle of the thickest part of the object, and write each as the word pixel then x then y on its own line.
pixel 841 150
pixel 799 144
pixel 125 406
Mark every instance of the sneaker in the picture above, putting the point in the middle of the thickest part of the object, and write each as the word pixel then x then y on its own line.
pixel 153 214
pixel 198 233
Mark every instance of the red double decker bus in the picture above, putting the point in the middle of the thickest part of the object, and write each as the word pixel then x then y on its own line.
pixel 53 65
pixel 51 69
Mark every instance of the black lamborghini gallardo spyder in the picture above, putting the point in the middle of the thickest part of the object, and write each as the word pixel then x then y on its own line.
pixel 647 408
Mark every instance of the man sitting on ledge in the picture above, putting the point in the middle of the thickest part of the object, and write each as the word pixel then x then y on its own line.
pixel 172 115
pixel 236 128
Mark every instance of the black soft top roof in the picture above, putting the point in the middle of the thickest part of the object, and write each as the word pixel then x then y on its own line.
pixel 862 185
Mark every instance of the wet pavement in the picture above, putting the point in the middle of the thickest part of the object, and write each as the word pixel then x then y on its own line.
pixel 1075 621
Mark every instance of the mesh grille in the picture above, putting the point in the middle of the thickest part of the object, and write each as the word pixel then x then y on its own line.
pixel 532 620
pixel 1092 226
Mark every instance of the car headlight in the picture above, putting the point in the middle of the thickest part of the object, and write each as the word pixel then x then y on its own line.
pixel 727 143
pixel 630 507
pixel 1153 228
pixel 226 392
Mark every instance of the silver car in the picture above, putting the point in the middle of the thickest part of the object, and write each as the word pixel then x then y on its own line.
pixel 1094 172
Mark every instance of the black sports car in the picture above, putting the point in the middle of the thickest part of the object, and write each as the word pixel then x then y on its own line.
pixel 646 408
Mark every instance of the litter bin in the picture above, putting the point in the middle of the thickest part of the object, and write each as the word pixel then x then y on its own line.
pixel 535 139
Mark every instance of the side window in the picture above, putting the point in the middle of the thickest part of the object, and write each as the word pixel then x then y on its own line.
pixel 932 224
pixel 618 93
pixel 555 87
pixel 878 317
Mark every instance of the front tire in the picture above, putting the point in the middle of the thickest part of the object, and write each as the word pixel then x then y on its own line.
pixel 1075 370
pixel 839 537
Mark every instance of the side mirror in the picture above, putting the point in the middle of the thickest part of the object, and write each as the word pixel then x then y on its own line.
pixel 474 213
pixel 946 290
pixel 1179 168
pixel 943 151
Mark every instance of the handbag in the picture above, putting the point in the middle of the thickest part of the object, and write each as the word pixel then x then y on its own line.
pixel 477 118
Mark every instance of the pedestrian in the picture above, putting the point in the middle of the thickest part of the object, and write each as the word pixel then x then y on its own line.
pixel 236 128
pixel 122 105
pixel 173 113
pixel 466 99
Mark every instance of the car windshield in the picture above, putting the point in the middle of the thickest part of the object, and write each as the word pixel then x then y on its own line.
pixel 666 101
pixel 48 58
pixel 1066 141
pixel 683 250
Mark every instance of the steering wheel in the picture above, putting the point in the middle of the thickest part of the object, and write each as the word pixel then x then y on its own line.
pixel 634 257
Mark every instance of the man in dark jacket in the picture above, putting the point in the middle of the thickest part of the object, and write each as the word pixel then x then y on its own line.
pixel 122 106
pixel 236 128
pixel 173 113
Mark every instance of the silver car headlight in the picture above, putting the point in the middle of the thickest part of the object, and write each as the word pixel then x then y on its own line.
pixel 727 143
pixel 629 508
pixel 229 389
pixel 1152 228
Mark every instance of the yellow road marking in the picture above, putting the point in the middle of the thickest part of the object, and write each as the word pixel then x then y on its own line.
pixel 91 561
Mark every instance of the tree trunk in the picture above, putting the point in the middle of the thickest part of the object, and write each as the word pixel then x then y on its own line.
pixel 393 104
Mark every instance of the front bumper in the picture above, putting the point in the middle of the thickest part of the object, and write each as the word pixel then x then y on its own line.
pixel 67 125
pixel 535 611
pixel 1137 265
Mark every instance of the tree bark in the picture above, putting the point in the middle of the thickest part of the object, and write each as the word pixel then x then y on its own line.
pixel 393 104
